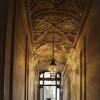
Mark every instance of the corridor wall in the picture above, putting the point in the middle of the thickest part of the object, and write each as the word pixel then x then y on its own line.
pixel 83 67
pixel 17 75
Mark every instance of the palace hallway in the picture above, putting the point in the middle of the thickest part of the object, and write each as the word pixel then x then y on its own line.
pixel 34 31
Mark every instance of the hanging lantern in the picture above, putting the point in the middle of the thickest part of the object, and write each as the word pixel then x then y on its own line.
pixel 53 69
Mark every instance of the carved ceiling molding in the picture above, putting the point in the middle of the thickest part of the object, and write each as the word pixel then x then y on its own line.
pixel 87 10
pixel 60 26
pixel 61 19
pixel 41 14
pixel 28 19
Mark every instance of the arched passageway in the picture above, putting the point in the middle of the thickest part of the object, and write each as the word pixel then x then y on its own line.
pixel 26 31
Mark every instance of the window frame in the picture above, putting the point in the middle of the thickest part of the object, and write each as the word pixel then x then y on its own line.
pixel 58 86
pixel 50 79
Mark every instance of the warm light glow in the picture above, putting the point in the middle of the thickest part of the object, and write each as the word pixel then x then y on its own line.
pixel 53 70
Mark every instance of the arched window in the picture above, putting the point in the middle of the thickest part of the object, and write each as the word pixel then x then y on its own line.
pixel 49 87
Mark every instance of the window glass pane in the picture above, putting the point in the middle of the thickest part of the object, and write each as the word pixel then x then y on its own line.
pixel 49 82
pixel 46 75
pixel 58 82
pixel 41 75
pixel 58 76
pixel 58 94
pixel 41 82
pixel 49 92
pixel 41 93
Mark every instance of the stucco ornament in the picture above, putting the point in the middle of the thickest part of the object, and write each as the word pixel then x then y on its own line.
pixel 61 19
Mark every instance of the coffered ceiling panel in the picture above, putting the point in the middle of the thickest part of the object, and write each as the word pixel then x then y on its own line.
pixel 61 19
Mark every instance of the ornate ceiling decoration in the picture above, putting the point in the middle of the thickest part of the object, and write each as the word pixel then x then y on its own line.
pixel 62 19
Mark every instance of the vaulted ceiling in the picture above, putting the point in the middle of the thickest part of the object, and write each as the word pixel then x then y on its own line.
pixel 61 19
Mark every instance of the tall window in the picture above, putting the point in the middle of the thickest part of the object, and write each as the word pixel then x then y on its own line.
pixel 49 88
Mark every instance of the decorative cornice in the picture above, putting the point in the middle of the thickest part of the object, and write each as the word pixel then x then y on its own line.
pixel 28 19
pixel 83 22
